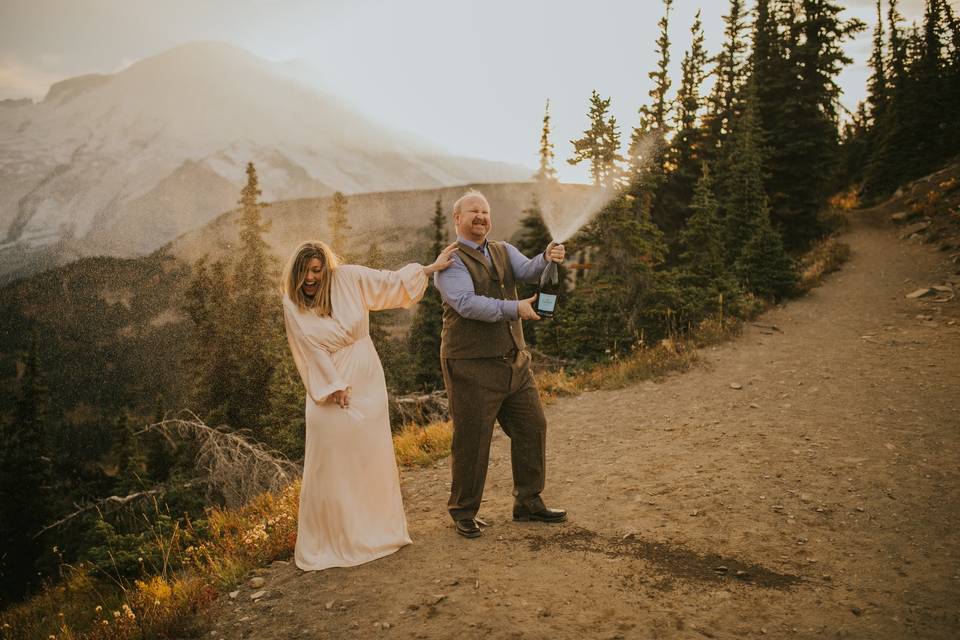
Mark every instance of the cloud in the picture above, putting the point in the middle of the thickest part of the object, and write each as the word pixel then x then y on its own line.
pixel 20 80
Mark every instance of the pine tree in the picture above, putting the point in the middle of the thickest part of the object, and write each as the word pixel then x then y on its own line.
pixel 702 238
pixel 744 198
pixel 25 477
pixel 546 174
pixel 285 422
pixel 877 86
pixel 424 340
pixel 532 238
pixel 658 113
pixel 626 296
pixel 730 73
pixel 338 224
pixel 648 138
pixel 213 358
pixel 128 457
pixel 796 60
pixel 600 144
pixel 763 266
pixel 254 317
pixel 686 151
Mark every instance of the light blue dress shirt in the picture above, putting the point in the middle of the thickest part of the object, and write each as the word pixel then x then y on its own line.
pixel 456 286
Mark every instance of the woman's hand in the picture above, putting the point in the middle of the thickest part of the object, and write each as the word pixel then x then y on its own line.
pixel 341 397
pixel 444 260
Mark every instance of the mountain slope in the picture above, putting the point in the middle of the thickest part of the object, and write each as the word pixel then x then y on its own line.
pixel 120 164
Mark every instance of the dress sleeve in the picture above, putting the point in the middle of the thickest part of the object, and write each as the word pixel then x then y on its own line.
pixel 320 376
pixel 391 289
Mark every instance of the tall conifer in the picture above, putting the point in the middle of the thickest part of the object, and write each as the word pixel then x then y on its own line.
pixel 600 144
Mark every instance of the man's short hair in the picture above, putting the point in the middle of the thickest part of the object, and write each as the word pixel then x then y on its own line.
pixel 468 194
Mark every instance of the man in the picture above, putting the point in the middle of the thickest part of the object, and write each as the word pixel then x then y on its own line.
pixel 486 367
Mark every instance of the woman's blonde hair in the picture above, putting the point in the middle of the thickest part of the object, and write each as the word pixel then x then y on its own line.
pixel 295 273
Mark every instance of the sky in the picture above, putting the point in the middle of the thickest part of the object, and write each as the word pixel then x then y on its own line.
pixel 471 76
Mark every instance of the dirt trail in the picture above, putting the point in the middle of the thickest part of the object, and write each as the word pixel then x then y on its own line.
pixel 822 499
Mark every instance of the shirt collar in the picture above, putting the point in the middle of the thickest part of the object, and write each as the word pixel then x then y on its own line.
pixel 474 245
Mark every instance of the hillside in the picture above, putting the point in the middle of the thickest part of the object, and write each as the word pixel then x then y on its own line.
pixel 115 323
pixel 398 220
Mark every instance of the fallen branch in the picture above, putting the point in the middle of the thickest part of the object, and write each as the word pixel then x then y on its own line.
pixel 231 465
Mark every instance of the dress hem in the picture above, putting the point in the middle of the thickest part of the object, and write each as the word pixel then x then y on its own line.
pixel 354 564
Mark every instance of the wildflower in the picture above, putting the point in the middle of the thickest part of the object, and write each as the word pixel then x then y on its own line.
pixel 55 548
pixel 116 614
pixel 98 609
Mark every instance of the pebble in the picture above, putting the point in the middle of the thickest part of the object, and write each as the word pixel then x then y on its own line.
pixel 329 605
pixel 856 611
pixel 256 583
pixel 736 385
pixel 257 595
pixel 234 594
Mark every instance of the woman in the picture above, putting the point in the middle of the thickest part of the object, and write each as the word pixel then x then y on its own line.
pixel 351 510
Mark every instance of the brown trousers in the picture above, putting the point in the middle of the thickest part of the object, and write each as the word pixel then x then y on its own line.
pixel 480 391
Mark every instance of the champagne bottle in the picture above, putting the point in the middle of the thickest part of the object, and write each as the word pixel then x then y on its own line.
pixel 548 291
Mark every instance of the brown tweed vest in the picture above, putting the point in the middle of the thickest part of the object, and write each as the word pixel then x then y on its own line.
pixel 465 338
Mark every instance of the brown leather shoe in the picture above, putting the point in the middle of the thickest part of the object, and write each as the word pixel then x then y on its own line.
pixel 520 514
pixel 468 528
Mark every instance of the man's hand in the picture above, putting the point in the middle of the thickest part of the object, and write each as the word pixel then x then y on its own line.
pixel 525 309
pixel 555 252
pixel 341 397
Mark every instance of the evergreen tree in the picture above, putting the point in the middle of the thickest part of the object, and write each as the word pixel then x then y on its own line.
pixel 600 144
pixel 877 86
pixel 127 456
pixel 658 113
pixel 648 139
pixel 796 61
pixel 609 313
pixel 25 477
pixel 213 359
pixel 763 266
pixel 531 239
pixel 686 150
pixel 424 341
pixel 745 199
pixel 254 318
pixel 702 238
pixel 285 422
pixel 729 72
pixel 338 224
pixel 546 174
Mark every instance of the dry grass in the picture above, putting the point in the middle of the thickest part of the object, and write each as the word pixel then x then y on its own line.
pixel 85 607
pixel 418 446
pixel 826 257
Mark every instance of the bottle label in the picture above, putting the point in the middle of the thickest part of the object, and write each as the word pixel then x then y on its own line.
pixel 546 302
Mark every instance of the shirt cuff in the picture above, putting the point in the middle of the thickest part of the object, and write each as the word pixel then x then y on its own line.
pixel 509 309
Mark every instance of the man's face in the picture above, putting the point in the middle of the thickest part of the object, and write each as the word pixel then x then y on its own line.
pixel 473 221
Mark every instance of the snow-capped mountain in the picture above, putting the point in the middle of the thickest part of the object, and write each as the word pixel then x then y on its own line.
pixel 120 164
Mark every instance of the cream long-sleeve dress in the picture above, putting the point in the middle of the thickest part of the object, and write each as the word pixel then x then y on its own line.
pixel 351 510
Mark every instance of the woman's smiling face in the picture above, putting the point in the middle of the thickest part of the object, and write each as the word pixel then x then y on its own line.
pixel 312 280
